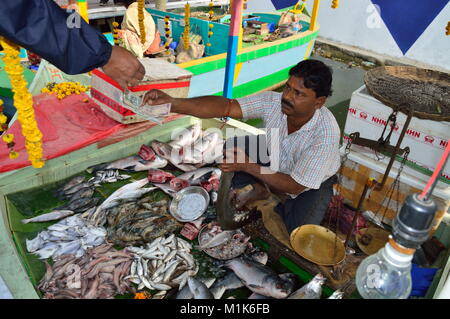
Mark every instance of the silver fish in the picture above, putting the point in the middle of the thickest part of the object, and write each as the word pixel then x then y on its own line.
pixel 34 244
pixel 258 296
pixel 201 174
pixel 85 192
pixel 312 290
pixel 198 289
pixel 186 136
pixel 259 278
pixel 217 240
pixel 74 181
pixel 132 163
pixel 186 293
pixel 172 155
pixel 54 215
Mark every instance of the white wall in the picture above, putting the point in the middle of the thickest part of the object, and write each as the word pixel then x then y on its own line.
pixel 358 23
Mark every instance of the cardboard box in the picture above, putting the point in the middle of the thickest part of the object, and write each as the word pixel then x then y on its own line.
pixel 159 74
pixel 426 139
pixel 359 167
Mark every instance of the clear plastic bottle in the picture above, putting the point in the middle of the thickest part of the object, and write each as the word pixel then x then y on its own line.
pixel 385 275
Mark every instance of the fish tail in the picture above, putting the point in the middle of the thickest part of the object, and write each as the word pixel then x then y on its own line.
pixel 25 221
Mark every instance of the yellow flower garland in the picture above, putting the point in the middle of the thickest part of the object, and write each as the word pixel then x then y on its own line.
pixel 115 26
pixel 187 26
pixel 141 20
pixel 210 25
pixel 23 101
pixel 167 29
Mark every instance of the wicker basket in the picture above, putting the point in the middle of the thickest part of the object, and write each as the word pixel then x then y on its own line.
pixel 402 87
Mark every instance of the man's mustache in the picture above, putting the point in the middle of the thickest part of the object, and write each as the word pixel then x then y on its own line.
pixel 284 101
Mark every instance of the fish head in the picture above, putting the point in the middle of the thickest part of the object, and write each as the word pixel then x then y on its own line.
pixel 280 288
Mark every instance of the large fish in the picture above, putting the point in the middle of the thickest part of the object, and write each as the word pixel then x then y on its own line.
pixel 312 290
pixel 54 215
pixel 186 136
pixel 201 175
pixel 132 163
pixel 259 278
pixel 231 281
pixel 127 192
pixel 172 155
pixel 199 289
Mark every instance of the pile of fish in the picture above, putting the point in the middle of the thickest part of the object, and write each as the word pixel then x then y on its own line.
pixel 133 163
pixel 162 264
pixel 221 244
pixel 107 176
pixel 127 193
pixel 191 148
pixel 99 274
pixel 136 223
pixel 71 235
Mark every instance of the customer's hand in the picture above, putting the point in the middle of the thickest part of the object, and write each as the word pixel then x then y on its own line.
pixel 124 67
pixel 157 97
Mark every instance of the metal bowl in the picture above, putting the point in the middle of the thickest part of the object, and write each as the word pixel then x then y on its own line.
pixel 318 245
pixel 184 216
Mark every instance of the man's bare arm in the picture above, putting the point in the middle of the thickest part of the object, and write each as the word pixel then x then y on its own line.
pixel 201 107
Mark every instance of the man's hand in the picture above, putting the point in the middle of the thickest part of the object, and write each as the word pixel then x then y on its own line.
pixel 236 160
pixel 157 97
pixel 124 67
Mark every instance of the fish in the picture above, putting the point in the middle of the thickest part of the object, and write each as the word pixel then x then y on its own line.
pixel 216 240
pixel 231 281
pixel 259 278
pixel 85 192
pixel 337 295
pixel 129 191
pixel 258 296
pixel 53 215
pixel 132 163
pixel 185 136
pixel 172 155
pixel 166 189
pixel 198 289
pixel 201 174
pixel 312 290
pixel 159 176
pixel 186 292
pixel 72 182
pixel 80 205
pixel 178 184
pixel 147 153
pixel 71 191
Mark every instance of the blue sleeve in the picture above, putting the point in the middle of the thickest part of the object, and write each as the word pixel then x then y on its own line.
pixel 42 27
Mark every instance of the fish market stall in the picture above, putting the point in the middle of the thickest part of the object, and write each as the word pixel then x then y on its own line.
pixel 98 223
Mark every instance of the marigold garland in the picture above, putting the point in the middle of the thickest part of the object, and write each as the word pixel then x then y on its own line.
pixel 23 101
pixel 187 26
pixel 115 26
pixel 141 20
pixel 335 4
pixel 61 90
pixel 167 29
pixel 210 25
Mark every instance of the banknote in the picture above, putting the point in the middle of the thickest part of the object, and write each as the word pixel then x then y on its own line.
pixel 154 113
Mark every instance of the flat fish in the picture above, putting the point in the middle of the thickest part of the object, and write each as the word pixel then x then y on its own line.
pixel 54 215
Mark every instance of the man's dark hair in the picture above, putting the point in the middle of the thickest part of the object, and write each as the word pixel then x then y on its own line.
pixel 316 76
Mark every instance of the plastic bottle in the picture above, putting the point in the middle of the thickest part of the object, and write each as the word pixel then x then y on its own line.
pixel 385 275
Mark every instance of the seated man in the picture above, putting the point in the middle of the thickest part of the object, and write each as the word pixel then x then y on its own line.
pixel 303 133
